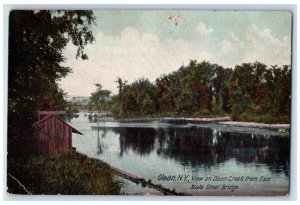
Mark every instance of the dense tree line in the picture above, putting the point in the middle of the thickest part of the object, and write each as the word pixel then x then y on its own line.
pixel 36 42
pixel 203 89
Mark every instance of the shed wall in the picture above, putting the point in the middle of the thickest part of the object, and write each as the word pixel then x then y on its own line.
pixel 53 136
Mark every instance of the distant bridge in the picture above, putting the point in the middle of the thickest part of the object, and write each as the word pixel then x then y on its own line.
pixel 101 112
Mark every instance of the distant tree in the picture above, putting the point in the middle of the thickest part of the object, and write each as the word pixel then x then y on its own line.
pixel 220 87
pixel 258 89
pixel 242 86
pixel 198 81
pixel 277 89
pixel 165 93
pixel 130 99
pixel 99 99
pixel 139 97
pixel 145 92
pixel 114 105
pixel 121 83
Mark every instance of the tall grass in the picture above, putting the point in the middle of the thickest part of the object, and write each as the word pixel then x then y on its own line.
pixel 66 173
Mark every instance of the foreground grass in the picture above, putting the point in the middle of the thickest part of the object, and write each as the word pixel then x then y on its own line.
pixel 66 173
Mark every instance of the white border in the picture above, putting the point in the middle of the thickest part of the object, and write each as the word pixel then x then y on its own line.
pixel 183 5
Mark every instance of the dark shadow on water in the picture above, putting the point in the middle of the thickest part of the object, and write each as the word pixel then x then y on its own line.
pixel 204 147
pixel 141 141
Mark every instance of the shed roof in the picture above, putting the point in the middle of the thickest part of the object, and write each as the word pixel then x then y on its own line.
pixel 47 117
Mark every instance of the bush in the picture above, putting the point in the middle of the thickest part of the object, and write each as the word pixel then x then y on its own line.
pixel 267 118
pixel 66 173
pixel 203 112
pixel 254 109
pixel 73 110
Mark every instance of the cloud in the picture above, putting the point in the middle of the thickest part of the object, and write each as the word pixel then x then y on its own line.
pixel 132 54
pixel 258 45
pixel 264 47
pixel 129 55
pixel 203 29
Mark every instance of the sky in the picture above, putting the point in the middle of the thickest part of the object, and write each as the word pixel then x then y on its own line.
pixel 146 43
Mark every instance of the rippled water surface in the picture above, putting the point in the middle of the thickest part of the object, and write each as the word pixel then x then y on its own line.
pixel 150 150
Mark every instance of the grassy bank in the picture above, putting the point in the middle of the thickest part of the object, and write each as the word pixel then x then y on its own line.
pixel 66 173
pixel 258 118
pixel 135 115
pixel 267 119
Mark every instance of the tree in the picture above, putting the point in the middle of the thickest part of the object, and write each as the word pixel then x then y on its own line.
pixel 139 97
pixel 145 92
pixel 277 89
pixel 242 87
pixel 198 81
pixel 165 93
pixel 258 89
pixel 36 43
pixel 220 87
pixel 100 98
pixel 121 84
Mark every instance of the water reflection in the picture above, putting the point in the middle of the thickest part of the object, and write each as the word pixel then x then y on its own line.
pixel 69 117
pixel 103 131
pixel 140 141
pixel 204 147
pixel 92 118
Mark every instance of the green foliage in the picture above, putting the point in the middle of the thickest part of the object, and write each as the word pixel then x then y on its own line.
pixel 115 105
pixel 262 118
pixel 184 101
pixel 36 42
pixel 66 173
pixel 205 89
pixel 185 91
pixel 136 97
pixel 73 109
pixel 256 89
pixel 99 99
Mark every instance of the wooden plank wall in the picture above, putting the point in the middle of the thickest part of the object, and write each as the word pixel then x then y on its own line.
pixel 53 136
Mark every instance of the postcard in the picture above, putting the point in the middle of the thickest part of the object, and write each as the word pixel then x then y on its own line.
pixel 149 102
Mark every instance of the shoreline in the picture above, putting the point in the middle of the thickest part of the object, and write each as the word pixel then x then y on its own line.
pixel 175 119
pixel 256 124
pixel 218 120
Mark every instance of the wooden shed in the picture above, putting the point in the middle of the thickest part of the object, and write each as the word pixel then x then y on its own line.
pixel 53 135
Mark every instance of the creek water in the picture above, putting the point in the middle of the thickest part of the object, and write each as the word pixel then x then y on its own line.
pixel 211 159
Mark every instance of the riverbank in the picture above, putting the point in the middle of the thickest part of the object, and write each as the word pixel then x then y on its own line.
pixel 175 120
pixel 67 173
pixel 181 120
pixel 144 182
pixel 256 125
